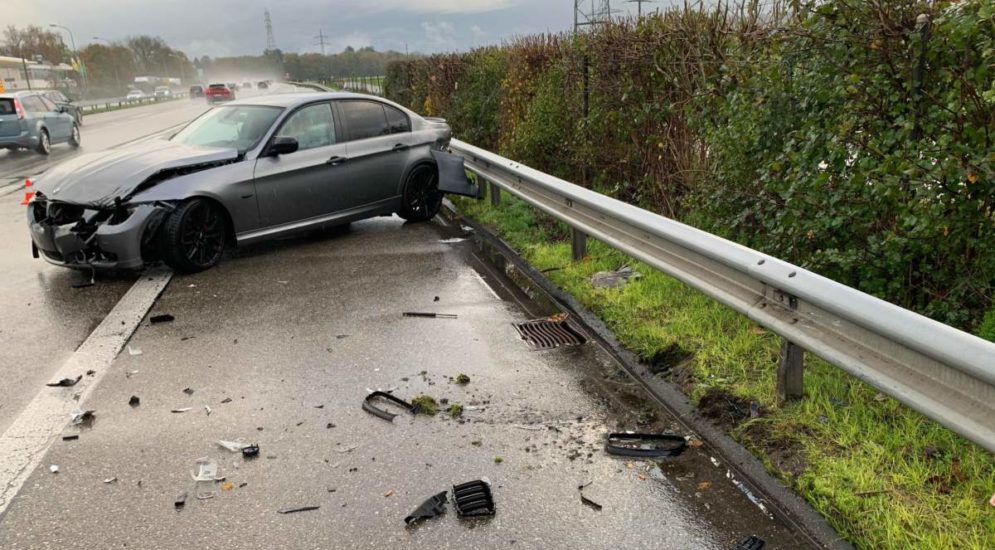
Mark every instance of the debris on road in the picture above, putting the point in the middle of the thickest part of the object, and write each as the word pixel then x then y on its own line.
pixel 188 391
pixel 348 449
pixel 751 542
pixel 453 240
pixel 130 373
pixel 425 404
pixel 462 379
pixel 65 382
pixel 110 480
pixel 227 486
pixel 180 501
pixel 206 495
pixel 70 437
pixel 384 414
pixel 389 493
pixel 54 468
pixel 434 506
pixel 295 510
pixel 134 351
pixel 455 410
pixel 182 410
pixel 498 459
pixel 207 470
pixel 164 318
pixel 233 446
pixel 614 279
pixel 749 494
pixel 704 485
pixel 83 418
pixel 91 372
pixel 473 498
pixel 207 409
pixel 590 502
pixel 431 315
pixel 226 400
pixel 645 445
pixel 134 401
pixel 250 451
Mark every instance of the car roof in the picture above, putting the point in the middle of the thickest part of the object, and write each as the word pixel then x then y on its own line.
pixel 19 93
pixel 300 98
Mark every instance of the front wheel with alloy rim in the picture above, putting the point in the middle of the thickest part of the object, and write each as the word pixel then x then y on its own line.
pixel 74 137
pixel 421 198
pixel 44 143
pixel 192 237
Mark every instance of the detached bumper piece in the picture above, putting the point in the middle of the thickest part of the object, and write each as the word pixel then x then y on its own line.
pixel 435 506
pixel 473 499
pixel 386 415
pixel 645 445
pixel 751 542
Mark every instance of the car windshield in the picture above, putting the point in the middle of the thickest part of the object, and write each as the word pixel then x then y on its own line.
pixel 238 126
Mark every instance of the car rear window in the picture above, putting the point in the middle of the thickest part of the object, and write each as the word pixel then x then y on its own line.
pixel 217 86
pixel 6 106
pixel 364 119
pixel 33 103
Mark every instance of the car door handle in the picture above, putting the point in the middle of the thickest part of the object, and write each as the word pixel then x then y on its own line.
pixel 336 160
pixel 399 147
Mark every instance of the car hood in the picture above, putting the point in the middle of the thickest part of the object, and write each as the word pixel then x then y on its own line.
pixel 97 179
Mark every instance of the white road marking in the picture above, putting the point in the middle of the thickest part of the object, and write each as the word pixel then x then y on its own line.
pixel 25 442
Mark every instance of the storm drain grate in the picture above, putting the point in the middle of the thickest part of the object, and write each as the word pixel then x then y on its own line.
pixel 549 333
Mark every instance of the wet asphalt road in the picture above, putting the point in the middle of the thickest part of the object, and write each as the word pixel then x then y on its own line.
pixel 281 342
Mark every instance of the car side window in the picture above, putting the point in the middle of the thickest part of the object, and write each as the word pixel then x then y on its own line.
pixel 313 126
pixel 364 119
pixel 49 105
pixel 33 104
pixel 397 120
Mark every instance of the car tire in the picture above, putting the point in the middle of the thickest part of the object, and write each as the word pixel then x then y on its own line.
pixel 74 139
pixel 44 143
pixel 192 238
pixel 421 199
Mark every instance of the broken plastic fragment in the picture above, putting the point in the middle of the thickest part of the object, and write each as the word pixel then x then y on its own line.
pixel 207 470
pixel 294 510
pixel 431 508
pixel 180 501
pixel 134 351
pixel 250 451
pixel 188 391
pixel 134 401
pixel 54 468
pixel 183 410
pixel 614 279
pixel 751 542
pixel 65 382
pixel 164 318
pixel 749 494
pixel 590 502
pixel 431 315
pixel 389 416
pixel 233 446
pixel 110 480
pixel 645 445
pixel 227 486
pixel 207 409
pixel 473 498
pixel 70 437
pixel 453 240
pixel 82 418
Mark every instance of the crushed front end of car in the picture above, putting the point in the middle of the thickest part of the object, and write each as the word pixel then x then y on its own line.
pixel 90 237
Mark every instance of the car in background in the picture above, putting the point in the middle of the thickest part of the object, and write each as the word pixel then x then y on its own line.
pixel 29 120
pixel 232 86
pixel 135 95
pixel 163 92
pixel 262 85
pixel 219 92
pixel 252 170
pixel 247 85
pixel 67 104
pixel 196 91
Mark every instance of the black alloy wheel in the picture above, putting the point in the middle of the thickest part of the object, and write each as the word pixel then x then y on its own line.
pixel 193 236
pixel 421 199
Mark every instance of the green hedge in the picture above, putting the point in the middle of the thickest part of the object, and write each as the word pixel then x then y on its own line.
pixel 852 138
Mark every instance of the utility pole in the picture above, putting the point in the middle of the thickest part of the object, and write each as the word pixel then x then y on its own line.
pixel 321 40
pixel 639 6
pixel 270 41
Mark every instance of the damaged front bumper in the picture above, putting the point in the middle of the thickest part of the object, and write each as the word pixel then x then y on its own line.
pixel 83 237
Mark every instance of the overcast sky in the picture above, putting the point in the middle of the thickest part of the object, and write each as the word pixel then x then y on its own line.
pixel 235 27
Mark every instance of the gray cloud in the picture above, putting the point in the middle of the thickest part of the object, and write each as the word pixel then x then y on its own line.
pixel 235 27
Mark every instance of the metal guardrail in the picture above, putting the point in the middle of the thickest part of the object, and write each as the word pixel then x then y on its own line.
pixel 89 106
pixel 946 374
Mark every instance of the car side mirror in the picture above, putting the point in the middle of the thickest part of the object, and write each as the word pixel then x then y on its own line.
pixel 282 146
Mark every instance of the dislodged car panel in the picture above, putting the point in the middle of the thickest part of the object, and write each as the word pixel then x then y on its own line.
pixel 243 172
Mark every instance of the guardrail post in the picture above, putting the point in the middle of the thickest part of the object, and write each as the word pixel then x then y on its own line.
pixel 578 244
pixel 495 192
pixel 790 370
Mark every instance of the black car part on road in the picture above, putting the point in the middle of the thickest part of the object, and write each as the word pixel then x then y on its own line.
pixel 473 498
pixel 370 408
pixel 431 508
pixel 645 445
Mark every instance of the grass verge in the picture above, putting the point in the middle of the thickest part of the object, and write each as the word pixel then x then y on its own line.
pixel 883 475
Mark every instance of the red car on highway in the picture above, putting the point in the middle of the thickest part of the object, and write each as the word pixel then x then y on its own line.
pixel 219 92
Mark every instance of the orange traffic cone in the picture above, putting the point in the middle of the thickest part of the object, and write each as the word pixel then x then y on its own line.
pixel 28 195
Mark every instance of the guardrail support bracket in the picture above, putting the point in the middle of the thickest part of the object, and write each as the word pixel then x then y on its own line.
pixel 578 244
pixel 790 370
pixel 495 192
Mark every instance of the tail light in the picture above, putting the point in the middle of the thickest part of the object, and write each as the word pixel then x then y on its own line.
pixel 18 109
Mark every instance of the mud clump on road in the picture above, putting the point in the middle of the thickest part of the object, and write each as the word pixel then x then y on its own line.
pixel 425 404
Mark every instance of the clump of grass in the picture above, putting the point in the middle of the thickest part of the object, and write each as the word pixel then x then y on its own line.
pixel 462 379
pixel 883 475
pixel 425 404
pixel 455 410
pixel 498 459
